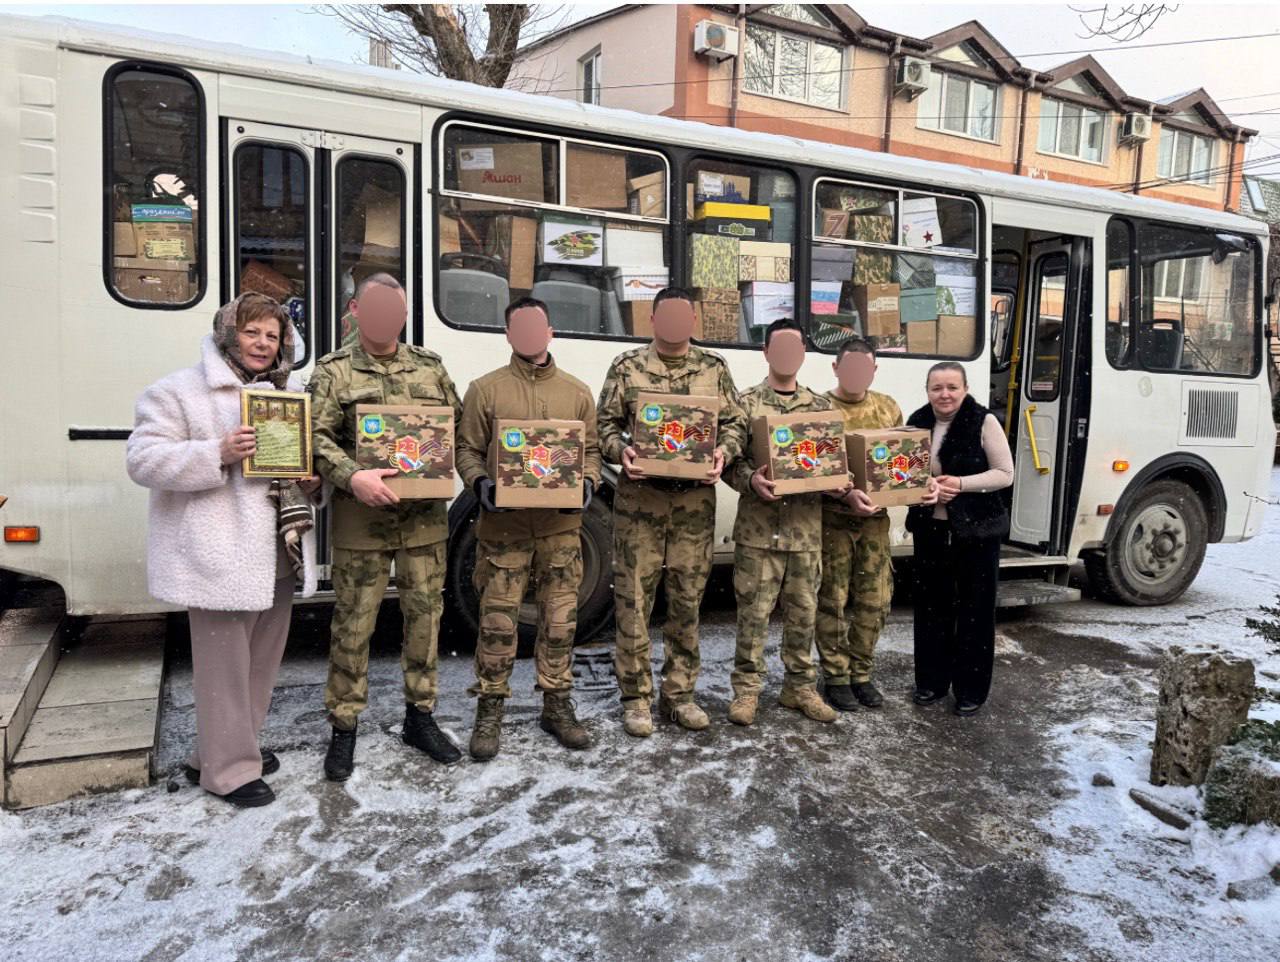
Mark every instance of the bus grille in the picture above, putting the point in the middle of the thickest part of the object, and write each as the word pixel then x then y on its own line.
pixel 1212 414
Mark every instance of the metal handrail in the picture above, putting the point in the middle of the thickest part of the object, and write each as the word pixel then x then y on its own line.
pixel 1031 439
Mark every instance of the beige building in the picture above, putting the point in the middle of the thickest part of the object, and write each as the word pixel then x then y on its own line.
pixel 821 72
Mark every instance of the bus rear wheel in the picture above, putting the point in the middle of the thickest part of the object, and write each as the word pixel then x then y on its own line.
pixel 595 595
pixel 1157 548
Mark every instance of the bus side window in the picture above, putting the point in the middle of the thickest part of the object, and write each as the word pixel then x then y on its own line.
pixel 370 203
pixel 154 184
pixel 580 226
pixel 740 222
pixel 1119 323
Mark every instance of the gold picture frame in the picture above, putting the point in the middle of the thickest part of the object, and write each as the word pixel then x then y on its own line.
pixel 282 423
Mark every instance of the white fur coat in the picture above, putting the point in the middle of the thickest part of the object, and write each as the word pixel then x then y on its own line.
pixel 212 538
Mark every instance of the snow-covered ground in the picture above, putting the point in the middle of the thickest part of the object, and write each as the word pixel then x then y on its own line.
pixel 905 834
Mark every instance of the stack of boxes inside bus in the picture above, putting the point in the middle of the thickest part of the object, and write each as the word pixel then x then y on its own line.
pixel 153 249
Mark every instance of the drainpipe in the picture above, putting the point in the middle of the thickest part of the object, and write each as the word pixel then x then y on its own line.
pixel 1231 169
pixel 739 23
pixel 1137 164
pixel 895 51
pixel 1022 122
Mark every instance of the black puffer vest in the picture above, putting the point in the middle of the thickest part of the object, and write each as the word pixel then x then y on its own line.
pixel 972 515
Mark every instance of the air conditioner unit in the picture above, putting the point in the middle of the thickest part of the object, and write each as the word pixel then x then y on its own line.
pixel 715 40
pixel 913 77
pixel 1137 127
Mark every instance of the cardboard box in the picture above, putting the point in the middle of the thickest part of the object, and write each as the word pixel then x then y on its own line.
pixel 957 293
pixel 833 223
pixel 922 337
pixel 956 334
pixel 872 228
pixel 383 221
pixel 783 226
pixel 450 235
pixel 918 305
pixel 733 188
pixel 629 245
pixel 154 286
pixel 829 331
pixel 537 464
pixel 639 283
pixel 577 242
pixel 416 440
pixel 123 241
pixel 802 452
pixel 164 232
pixel 920 225
pixel 890 464
pixel 744 221
pixel 675 434
pixel 765 302
pixel 824 297
pixel 500 170
pixel 764 261
pixel 720 313
pixel 514 241
pixel 832 263
pixel 257 276
pixel 647 196
pixel 877 306
pixel 638 317
pixel 714 261
pixel 595 178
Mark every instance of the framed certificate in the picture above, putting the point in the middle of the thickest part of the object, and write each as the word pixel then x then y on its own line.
pixel 282 422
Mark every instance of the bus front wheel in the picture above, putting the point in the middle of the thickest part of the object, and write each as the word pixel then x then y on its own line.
pixel 595 595
pixel 1157 548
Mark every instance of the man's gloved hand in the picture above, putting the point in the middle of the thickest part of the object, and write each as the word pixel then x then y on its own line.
pixel 588 492
pixel 483 490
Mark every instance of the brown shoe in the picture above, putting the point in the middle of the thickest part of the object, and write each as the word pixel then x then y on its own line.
pixel 636 719
pixel 686 714
pixel 808 702
pixel 488 726
pixel 742 711
pixel 559 719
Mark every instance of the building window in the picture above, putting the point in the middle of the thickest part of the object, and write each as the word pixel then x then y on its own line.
pixel 154 185
pixel 1071 130
pixel 958 105
pixel 1185 156
pixel 589 71
pixel 1178 280
pixel 793 67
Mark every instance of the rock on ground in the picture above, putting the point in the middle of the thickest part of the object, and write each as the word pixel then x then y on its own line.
pixel 1204 697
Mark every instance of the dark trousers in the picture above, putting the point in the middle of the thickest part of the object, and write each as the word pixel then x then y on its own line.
pixel 954 587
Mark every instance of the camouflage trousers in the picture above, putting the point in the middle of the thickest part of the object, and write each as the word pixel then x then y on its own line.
pixel 760 577
pixel 660 536
pixel 359 582
pixel 857 590
pixel 503 570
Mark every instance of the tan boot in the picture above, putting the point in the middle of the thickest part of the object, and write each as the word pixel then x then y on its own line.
pixel 685 714
pixel 485 734
pixel 742 711
pixel 636 719
pixel 558 718
pixel 808 702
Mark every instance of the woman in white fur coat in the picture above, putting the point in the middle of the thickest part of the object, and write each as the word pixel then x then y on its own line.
pixel 228 548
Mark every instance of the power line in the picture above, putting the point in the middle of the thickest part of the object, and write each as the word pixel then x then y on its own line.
pixel 1214 175
pixel 1270 112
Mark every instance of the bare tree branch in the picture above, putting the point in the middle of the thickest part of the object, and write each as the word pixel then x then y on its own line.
pixel 1123 23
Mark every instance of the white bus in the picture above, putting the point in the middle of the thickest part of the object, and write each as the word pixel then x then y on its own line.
pixel 148 179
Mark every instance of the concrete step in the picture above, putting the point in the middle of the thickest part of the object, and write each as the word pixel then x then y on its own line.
pixel 1028 591
pixel 29 644
pixel 96 725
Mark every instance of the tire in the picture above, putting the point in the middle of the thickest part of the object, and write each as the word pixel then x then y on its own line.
pixel 595 595
pixel 1156 550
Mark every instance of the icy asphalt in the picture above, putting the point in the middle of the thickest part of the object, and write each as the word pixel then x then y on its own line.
pixel 902 834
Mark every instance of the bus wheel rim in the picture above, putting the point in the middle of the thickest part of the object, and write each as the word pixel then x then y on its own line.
pixel 1157 545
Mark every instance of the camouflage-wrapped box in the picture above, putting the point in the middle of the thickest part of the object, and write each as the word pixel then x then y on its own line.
pixel 675 434
pixel 537 464
pixel 713 261
pixel 890 464
pixel 873 267
pixel 803 451
pixel 872 228
pixel 415 440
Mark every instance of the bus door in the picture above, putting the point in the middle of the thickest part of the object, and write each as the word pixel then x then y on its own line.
pixel 1051 323
pixel 310 214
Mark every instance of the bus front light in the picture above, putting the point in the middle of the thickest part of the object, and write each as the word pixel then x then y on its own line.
pixel 21 534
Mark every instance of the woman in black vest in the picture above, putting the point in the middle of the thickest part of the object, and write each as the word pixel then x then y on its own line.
pixel 957 543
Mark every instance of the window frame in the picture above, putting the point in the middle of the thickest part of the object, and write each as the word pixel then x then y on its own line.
pixel 1029 383
pixel 980 256
pixel 842 100
pixel 590 61
pixel 946 77
pixel 108 141
pixel 1133 295
pixel 1175 133
pixel 1104 120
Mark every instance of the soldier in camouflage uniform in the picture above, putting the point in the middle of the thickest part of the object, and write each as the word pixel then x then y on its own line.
pixel 663 528
pixel 857 570
pixel 370 527
pixel 514 544
pixel 778 548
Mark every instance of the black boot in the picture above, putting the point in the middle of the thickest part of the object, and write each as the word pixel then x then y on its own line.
pixel 340 759
pixel 867 693
pixel 927 696
pixel 964 707
pixel 270 765
pixel 840 697
pixel 253 794
pixel 422 732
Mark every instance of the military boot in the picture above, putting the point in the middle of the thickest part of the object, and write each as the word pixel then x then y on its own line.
pixel 558 719
pixel 340 759
pixel 841 697
pixel 484 736
pixel 686 714
pixel 636 719
pixel 742 710
pixel 422 732
pixel 808 702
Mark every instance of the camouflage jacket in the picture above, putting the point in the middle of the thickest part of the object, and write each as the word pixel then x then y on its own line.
pixel 642 369
pixel 523 390
pixel 349 377
pixel 875 410
pixel 793 523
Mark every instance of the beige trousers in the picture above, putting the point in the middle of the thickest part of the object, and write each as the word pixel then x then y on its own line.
pixel 235 656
